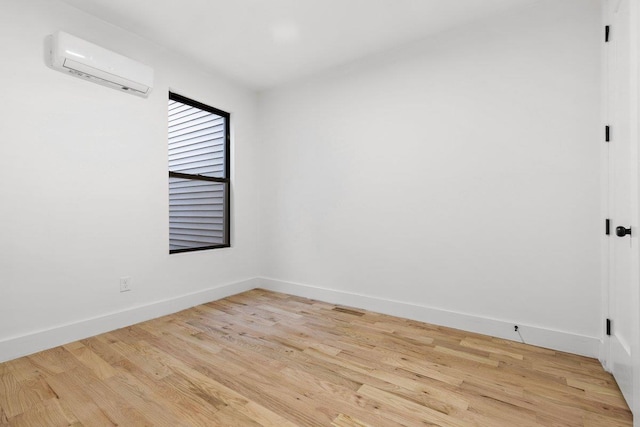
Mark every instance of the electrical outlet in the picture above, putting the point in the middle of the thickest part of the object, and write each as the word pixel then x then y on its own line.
pixel 125 284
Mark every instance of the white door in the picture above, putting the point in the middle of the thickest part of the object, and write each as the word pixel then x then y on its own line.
pixel 622 204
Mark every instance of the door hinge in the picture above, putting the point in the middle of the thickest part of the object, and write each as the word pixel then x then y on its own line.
pixel 607 30
pixel 608 326
pixel 607 226
pixel 607 133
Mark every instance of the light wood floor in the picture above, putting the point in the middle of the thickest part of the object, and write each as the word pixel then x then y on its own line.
pixel 263 358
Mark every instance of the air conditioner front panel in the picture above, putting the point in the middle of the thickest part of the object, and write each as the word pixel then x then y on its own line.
pixel 94 63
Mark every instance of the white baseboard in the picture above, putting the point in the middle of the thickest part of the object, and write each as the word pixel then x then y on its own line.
pixel 14 347
pixel 23 345
pixel 542 337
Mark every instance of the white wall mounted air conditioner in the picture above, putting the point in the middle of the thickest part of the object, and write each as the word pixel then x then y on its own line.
pixel 91 62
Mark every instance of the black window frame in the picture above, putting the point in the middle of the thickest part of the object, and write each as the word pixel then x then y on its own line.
pixel 225 180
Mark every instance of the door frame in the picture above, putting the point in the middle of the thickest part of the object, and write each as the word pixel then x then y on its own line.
pixel 634 45
pixel 635 152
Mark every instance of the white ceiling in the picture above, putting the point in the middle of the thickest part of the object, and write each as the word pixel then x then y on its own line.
pixel 263 43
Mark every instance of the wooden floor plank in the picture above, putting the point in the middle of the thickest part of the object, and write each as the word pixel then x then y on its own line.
pixel 343 420
pixel 262 358
pixel 72 388
pixel 48 413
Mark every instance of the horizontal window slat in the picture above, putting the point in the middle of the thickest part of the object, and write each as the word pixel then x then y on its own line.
pixel 207 122
pixel 185 115
pixel 178 106
pixel 208 203
pixel 207 127
pixel 212 140
pixel 200 147
pixel 181 192
pixel 181 113
pixel 196 216
pixel 196 210
pixel 181 201
pixel 195 186
pixel 196 235
pixel 176 195
pixel 180 215
pixel 203 135
pixel 207 158
pixel 209 209
pixel 214 237
pixel 205 165
pixel 196 226
pixel 194 150
pixel 204 221
pixel 197 168
pixel 195 223
pixel 195 182
pixel 179 134
pixel 193 120
pixel 184 220
pixel 199 140
pixel 191 241
pixel 187 216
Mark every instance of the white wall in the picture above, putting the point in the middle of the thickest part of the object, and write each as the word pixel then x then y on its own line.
pixel 83 180
pixel 460 173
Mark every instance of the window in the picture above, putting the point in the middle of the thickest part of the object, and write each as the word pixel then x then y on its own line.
pixel 198 176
